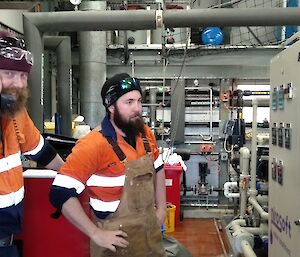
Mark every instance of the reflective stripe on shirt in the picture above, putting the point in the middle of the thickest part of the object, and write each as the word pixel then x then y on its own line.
pixel 68 182
pixel 101 181
pixel 158 162
pixel 37 149
pixel 12 199
pixel 99 205
pixel 10 162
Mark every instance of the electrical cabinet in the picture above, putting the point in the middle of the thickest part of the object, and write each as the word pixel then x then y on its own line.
pixel 284 168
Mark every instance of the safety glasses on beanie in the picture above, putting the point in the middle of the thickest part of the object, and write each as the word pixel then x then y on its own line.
pixel 124 84
pixel 12 42
pixel 118 89
pixel 15 53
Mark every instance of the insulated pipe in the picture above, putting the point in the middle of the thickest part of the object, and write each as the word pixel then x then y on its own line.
pixel 62 46
pixel 231 17
pixel 227 190
pixel 92 58
pixel 37 23
pixel 92 20
pixel 34 43
pixel 244 167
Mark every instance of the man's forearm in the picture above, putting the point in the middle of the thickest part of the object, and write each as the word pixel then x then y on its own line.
pixel 74 212
pixel 55 164
pixel 160 196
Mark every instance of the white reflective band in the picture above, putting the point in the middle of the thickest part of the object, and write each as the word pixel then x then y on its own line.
pixel 101 181
pixel 12 199
pixel 99 205
pixel 68 182
pixel 158 162
pixel 37 149
pixel 9 162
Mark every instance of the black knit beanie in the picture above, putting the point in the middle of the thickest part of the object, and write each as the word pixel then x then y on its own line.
pixel 117 86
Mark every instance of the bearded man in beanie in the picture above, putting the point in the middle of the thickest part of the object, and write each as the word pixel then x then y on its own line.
pixel 18 136
pixel 121 168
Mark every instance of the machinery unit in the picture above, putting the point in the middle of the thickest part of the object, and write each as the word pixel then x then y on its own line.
pixel 284 162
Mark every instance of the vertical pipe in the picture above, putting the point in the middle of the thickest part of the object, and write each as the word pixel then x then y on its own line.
pixel 47 87
pixel 62 47
pixel 153 107
pixel 35 81
pixel 244 166
pixel 64 85
pixel 211 114
pixel 283 28
pixel 92 68
pixel 253 190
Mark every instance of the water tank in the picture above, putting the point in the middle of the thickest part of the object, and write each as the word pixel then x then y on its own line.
pixel 212 36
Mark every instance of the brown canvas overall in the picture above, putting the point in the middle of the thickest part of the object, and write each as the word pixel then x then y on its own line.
pixel 135 214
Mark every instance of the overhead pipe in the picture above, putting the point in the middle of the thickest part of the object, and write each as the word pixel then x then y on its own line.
pixel 93 20
pixel 35 24
pixel 151 19
pixel 231 17
pixel 62 46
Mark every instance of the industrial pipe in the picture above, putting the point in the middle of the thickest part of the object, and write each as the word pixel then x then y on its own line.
pixel 228 186
pixel 262 230
pixel 264 215
pixel 253 192
pixel 62 46
pixel 255 103
pixel 93 20
pixel 243 240
pixel 244 177
pixel 247 249
pixel 231 17
pixel 35 24
pixel 92 58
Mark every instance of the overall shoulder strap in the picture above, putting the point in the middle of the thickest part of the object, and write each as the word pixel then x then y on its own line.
pixel 146 143
pixel 116 148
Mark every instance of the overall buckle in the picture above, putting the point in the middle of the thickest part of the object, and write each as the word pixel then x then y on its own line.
pixel 7 241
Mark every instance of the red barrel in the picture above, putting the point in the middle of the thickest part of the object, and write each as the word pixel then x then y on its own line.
pixel 43 235
pixel 173 173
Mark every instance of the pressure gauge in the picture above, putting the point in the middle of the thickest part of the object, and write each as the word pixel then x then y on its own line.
pixel 75 2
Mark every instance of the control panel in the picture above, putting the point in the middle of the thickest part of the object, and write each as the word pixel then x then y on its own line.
pixel 284 161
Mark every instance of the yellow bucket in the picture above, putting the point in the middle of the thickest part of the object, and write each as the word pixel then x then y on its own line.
pixel 170 218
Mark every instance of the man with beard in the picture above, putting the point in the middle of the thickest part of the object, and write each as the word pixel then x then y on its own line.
pixel 18 136
pixel 122 170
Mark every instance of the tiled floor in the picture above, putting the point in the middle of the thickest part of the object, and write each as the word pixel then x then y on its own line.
pixel 202 237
